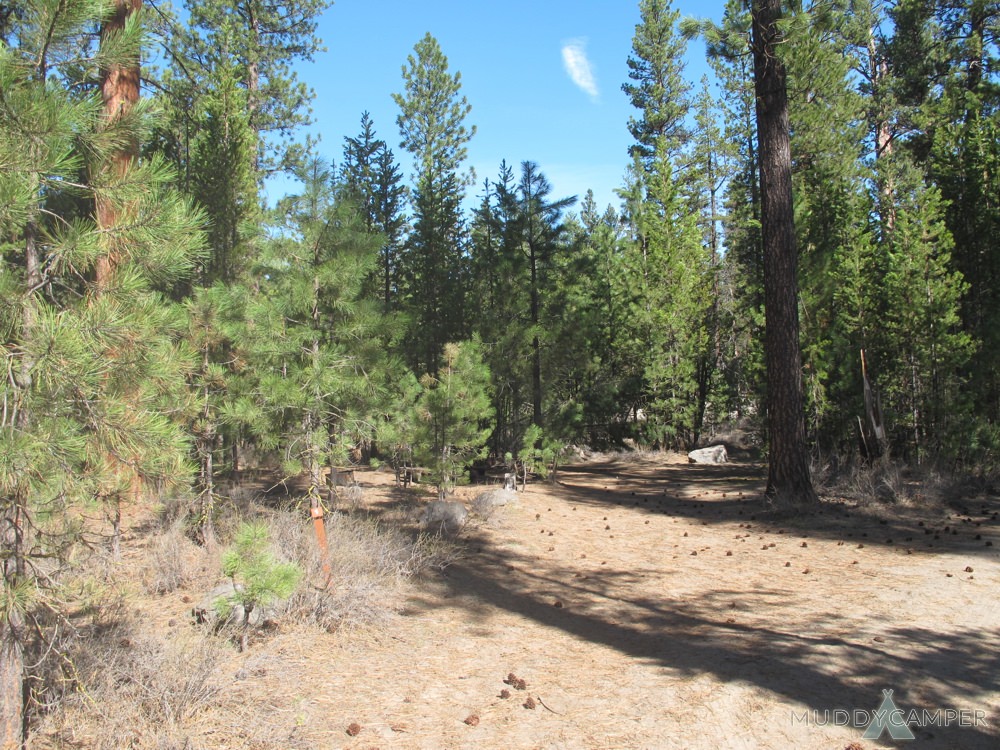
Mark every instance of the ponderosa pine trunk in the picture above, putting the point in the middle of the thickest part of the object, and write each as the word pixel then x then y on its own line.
pixel 119 93
pixel 788 479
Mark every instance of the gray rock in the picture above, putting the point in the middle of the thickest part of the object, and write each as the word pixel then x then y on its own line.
pixel 715 454
pixel 486 503
pixel 445 516
pixel 210 612
pixel 496 498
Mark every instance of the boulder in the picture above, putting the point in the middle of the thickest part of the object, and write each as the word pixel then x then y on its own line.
pixel 221 598
pixel 715 454
pixel 444 516
pixel 486 503
pixel 496 498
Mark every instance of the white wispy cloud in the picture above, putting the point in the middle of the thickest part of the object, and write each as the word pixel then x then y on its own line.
pixel 574 54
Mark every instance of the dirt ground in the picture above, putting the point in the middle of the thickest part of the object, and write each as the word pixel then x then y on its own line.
pixel 650 603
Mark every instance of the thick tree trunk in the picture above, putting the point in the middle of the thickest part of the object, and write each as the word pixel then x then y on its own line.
pixel 788 478
pixel 119 93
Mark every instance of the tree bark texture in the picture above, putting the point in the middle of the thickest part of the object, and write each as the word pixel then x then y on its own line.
pixel 11 683
pixel 119 93
pixel 788 478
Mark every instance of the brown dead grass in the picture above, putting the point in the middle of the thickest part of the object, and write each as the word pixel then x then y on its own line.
pixel 644 602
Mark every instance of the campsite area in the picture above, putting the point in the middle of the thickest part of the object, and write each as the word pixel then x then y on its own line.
pixel 638 601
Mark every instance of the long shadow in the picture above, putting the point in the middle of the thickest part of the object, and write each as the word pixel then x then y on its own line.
pixel 926 668
pixel 732 492
pixel 696 637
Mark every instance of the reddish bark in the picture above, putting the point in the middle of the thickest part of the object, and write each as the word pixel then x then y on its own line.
pixel 119 93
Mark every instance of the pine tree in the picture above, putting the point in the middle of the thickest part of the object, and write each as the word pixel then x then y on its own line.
pixel 669 264
pixel 217 159
pixel 261 41
pixel 221 176
pixel 832 206
pixel 961 130
pixel 539 221
pixel 742 270
pixel 372 177
pixel 878 277
pixel 453 413
pixel 219 342
pixel 923 348
pixel 519 235
pixel 659 91
pixel 321 374
pixel 788 461
pixel 498 271
pixel 258 576
pixel 674 310
pixel 587 374
pixel 432 125
pixel 92 344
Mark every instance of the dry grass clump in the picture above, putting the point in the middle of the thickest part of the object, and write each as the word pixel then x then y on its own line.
pixel 881 482
pixel 351 496
pixel 886 483
pixel 125 685
pixel 234 506
pixel 173 560
pixel 369 564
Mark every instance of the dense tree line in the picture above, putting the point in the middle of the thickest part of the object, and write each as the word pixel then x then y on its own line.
pixel 160 324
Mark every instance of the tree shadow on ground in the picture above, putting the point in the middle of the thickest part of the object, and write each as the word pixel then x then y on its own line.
pixel 733 492
pixel 926 668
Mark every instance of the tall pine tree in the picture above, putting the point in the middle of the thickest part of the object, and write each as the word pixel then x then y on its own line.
pixel 432 125
pixel 92 344
pixel 788 460
pixel 372 178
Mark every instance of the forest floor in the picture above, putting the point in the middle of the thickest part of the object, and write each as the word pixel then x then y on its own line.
pixel 646 602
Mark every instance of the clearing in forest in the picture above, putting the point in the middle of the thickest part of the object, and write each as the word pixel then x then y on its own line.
pixel 644 602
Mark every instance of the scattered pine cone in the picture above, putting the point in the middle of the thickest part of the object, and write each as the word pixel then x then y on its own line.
pixel 505 693
pixel 530 703
pixel 472 720
pixel 354 729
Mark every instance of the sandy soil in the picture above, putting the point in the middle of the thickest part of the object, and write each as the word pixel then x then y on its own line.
pixel 649 603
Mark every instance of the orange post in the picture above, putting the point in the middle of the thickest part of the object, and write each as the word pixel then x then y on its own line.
pixel 318 525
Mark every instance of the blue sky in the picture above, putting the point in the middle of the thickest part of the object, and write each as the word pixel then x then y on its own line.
pixel 525 103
